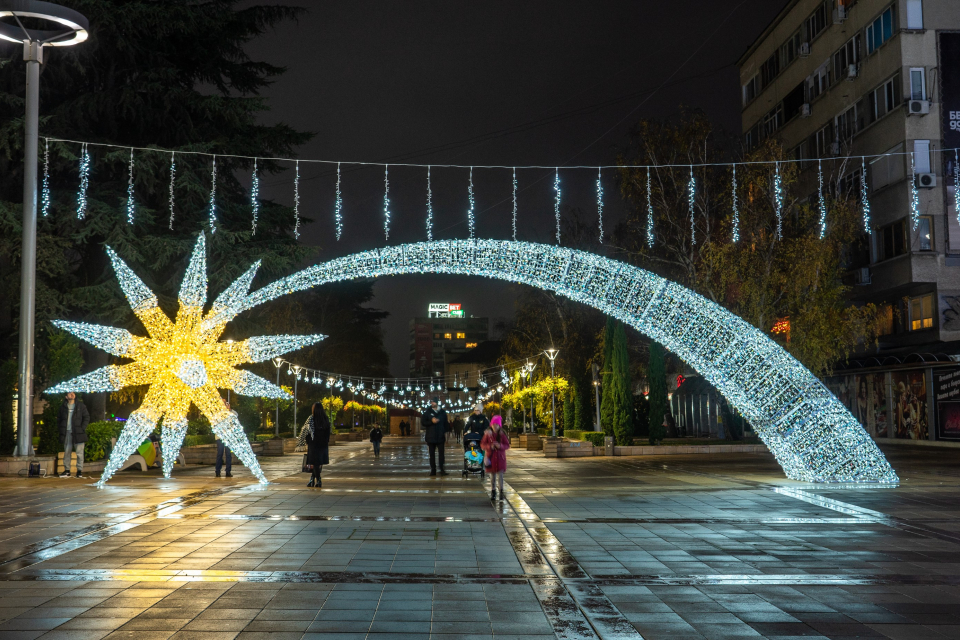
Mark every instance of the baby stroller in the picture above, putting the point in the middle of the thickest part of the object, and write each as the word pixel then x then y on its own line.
pixel 472 454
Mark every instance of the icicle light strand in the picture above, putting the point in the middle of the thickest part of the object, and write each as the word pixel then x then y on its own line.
pixel 429 207
pixel 822 202
pixel 914 193
pixel 600 204
pixel 131 207
pixel 338 207
pixel 736 209
pixel 386 201
pixel 471 216
pixel 45 192
pixel 692 201
pixel 956 184
pixel 213 196
pixel 864 200
pixel 296 201
pixel 255 196
pixel 84 182
pixel 649 211
pixel 514 203
pixel 556 200
pixel 173 179
pixel 778 199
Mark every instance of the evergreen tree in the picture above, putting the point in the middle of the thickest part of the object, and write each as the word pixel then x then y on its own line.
pixel 8 422
pixel 569 411
pixel 607 385
pixel 656 377
pixel 623 392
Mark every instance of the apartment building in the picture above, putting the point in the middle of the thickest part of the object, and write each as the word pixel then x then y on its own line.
pixel 839 79
pixel 835 80
pixel 442 336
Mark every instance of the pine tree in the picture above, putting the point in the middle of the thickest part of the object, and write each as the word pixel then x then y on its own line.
pixel 656 377
pixel 607 384
pixel 623 392
pixel 569 412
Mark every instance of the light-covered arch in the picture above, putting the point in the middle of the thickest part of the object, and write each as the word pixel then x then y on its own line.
pixel 811 434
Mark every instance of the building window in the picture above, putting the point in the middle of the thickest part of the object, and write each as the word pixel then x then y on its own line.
pixel 846 123
pixel 769 70
pixel 471 345
pixel 823 141
pixel 918 88
pixel 893 239
pixel 914 14
pixel 921 312
pixel 817 22
pixel 921 156
pixel 819 81
pixel 448 336
pixel 879 31
pixel 751 89
pixel 847 55
pixel 790 49
pixel 461 336
pixel 884 98
pixel 925 229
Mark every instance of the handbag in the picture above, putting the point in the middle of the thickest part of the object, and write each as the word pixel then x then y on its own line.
pixel 304 467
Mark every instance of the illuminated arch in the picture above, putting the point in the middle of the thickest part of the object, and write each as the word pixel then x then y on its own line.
pixel 811 434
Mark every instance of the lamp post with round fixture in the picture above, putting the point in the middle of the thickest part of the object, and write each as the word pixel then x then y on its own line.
pixel 552 353
pixel 296 378
pixel 277 362
pixel 69 28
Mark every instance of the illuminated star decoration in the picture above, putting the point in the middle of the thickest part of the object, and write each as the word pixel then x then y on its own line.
pixel 182 361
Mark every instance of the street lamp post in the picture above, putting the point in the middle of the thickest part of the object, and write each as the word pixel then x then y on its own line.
pixel 68 23
pixel 296 378
pixel 277 362
pixel 552 354
pixel 596 392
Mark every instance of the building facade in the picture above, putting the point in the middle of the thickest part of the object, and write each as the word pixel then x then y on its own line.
pixel 835 80
pixel 439 338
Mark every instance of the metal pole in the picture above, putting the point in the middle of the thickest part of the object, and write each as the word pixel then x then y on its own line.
pixel 295 423
pixel 276 424
pixel 33 55
pixel 553 400
pixel 596 392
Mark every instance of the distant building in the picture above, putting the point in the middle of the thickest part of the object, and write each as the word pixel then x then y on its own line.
pixel 442 336
pixel 465 368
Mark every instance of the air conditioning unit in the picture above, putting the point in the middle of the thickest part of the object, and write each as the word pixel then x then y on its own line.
pixel 852 72
pixel 805 111
pixel 862 276
pixel 918 107
pixel 926 180
pixel 839 15
pixel 804 49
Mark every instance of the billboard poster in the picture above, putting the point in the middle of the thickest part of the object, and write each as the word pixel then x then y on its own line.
pixel 842 387
pixel 946 396
pixel 870 406
pixel 950 88
pixel 909 390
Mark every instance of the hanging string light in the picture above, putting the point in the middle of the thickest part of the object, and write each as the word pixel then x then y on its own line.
pixel 914 193
pixel 131 210
pixel 956 183
pixel 386 201
pixel 429 207
pixel 213 196
pixel 45 192
pixel 84 182
pixel 514 203
pixel 173 178
pixel 822 203
pixel 338 207
pixel 778 200
pixel 556 201
pixel 255 196
pixel 865 202
pixel 649 211
pixel 600 204
pixel 736 209
pixel 691 201
pixel 471 220
pixel 296 200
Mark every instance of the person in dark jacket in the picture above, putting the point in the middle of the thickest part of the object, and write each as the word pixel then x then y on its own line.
pixel 318 442
pixel 376 435
pixel 477 422
pixel 72 421
pixel 435 427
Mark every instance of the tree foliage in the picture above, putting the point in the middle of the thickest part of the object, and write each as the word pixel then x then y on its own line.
pixel 623 389
pixel 657 397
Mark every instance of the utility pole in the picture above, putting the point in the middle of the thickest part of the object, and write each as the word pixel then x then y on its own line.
pixel 552 354
pixel 34 40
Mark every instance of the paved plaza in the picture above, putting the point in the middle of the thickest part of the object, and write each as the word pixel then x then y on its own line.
pixel 710 546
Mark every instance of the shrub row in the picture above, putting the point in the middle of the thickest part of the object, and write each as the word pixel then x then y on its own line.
pixel 594 437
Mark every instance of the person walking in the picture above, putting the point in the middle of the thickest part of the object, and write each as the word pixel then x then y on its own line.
pixel 376 436
pixel 223 451
pixel 317 428
pixel 477 422
pixel 435 427
pixel 72 421
pixel 458 428
pixel 495 444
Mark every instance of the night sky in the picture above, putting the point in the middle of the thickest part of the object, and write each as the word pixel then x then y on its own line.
pixel 485 83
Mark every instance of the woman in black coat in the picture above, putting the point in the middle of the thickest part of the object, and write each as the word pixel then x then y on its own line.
pixel 317 431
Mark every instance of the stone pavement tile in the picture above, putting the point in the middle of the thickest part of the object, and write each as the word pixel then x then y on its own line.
pixel 708 617
pixel 23 635
pixel 228 614
pixel 270 635
pixel 204 635
pixel 277 625
pixel 76 634
pixel 400 626
pixel 95 623
pixel 783 628
pixel 111 612
pixel 287 614
pixel 335 635
pixel 405 605
pixel 31 624
pixel 907 632
pixel 765 616
pixel 216 624
pixel 408 615
pixel 155 624
pixel 726 631
pixel 347 626
pixel 46 612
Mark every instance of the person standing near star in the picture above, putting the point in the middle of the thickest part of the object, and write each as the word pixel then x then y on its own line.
pixel 72 421
pixel 222 449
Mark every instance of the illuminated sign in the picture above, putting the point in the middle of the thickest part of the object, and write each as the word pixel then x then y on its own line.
pixel 445 310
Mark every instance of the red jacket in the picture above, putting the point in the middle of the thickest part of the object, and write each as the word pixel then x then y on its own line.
pixel 498 457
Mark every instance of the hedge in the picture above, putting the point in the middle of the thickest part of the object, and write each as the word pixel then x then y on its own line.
pixel 99 435
pixel 595 437
pixel 193 441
